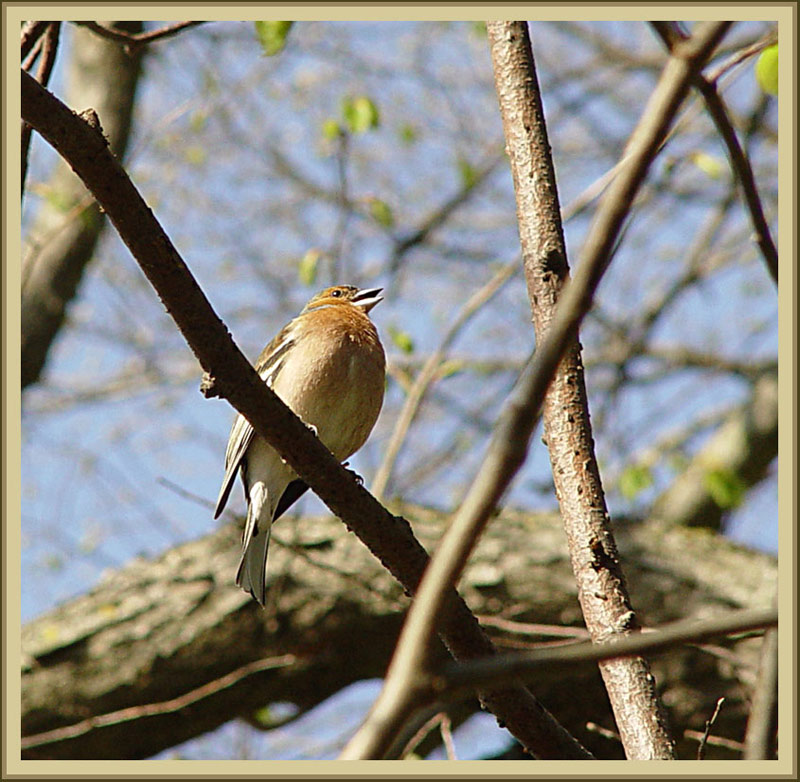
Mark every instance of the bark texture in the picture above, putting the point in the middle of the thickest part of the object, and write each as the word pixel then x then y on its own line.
pixel 160 628
pixel 603 592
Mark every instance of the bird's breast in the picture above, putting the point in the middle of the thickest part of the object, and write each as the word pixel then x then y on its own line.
pixel 334 379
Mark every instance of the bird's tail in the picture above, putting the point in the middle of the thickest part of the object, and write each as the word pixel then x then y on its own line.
pixel 252 573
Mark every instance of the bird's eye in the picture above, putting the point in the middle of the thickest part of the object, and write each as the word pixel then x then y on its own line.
pixel 336 293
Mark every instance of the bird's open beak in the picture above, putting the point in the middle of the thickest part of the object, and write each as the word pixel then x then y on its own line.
pixel 367 298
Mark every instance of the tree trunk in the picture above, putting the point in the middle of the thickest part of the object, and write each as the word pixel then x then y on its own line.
pixel 59 246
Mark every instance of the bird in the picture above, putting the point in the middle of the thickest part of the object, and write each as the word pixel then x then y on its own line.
pixel 328 365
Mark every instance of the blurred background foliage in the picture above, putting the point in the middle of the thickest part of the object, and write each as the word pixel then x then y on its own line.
pixel 372 153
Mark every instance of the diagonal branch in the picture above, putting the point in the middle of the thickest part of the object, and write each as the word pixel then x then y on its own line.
pixel 79 140
pixel 453 678
pixel 602 589
pixel 31 33
pixel 739 160
pixel 427 374
pixel 133 40
pixel 508 448
pixel 49 46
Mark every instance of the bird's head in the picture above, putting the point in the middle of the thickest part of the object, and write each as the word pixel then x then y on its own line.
pixel 363 298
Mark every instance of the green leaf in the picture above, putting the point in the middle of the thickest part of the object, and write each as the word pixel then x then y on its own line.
pixel 331 129
pixel 53 562
pixel 57 199
pixel 381 212
pixel 634 480
pixel 468 173
pixel 451 367
pixel 198 121
pixel 360 114
pixel 767 70
pixel 402 339
pixel 725 487
pixel 272 36
pixel 708 164
pixel 307 268
pixel 263 716
pixel 195 155
pixel 408 134
pixel 479 28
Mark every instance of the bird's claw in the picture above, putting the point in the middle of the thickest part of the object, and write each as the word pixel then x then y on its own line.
pixel 359 479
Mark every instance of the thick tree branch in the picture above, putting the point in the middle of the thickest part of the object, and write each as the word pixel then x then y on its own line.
pixel 604 597
pixel 510 441
pixel 230 375
pixel 179 623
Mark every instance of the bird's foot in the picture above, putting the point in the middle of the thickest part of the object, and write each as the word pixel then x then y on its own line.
pixel 359 479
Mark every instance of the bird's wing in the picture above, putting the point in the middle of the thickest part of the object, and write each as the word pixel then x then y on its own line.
pixel 294 491
pixel 241 437
pixel 268 365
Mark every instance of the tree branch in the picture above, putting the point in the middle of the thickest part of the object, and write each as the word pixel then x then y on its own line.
pixel 454 678
pixel 604 597
pixel 427 374
pixel 760 736
pixel 134 40
pixel 49 47
pixel 31 33
pixel 739 160
pixel 181 607
pixel 228 374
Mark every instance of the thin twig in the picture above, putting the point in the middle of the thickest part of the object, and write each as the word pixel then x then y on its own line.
pixel 739 160
pixel 509 445
pixel 133 40
pixel 155 709
pixel 529 628
pixel 701 749
pixel 48 43
pixel 428 373
pixel 611 735
pixel 737 58
pixel 421 734
pixel 27 62
pixel 445 727
pixel 714 741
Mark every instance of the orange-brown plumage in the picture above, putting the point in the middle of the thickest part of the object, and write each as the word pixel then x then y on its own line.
pixel 328 366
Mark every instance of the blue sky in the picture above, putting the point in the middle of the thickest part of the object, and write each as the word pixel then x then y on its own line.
pixel 210 108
